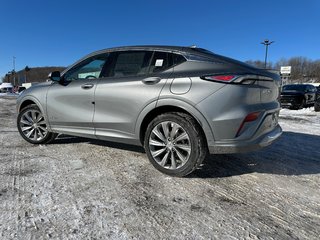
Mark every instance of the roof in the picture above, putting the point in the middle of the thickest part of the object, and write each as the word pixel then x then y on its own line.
pixel 182 49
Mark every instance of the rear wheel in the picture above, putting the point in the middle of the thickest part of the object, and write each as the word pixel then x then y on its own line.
pixel 175 144
pixel 33 126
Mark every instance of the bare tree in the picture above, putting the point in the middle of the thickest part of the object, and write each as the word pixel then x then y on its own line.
pixel 259 64
pixel 302 68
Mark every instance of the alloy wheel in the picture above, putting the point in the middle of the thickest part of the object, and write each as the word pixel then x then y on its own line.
pixel 170 145
pixel 33 125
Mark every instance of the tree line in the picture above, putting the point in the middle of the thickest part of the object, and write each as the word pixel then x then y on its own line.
pixel 302 68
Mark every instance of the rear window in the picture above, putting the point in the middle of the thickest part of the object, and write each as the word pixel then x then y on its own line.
pixel 130 63
pixel 161 61
pixel 136 63
pixel 178 59
pixel 164 60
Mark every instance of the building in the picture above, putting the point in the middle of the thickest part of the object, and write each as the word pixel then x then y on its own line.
pixel 30 75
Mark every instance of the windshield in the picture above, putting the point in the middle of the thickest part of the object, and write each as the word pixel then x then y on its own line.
pixel 294 88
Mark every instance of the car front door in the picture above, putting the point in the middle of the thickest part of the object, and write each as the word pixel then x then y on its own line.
pixel 70 103
pixel 133 81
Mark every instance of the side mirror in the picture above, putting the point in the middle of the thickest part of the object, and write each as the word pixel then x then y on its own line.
pixel 55 76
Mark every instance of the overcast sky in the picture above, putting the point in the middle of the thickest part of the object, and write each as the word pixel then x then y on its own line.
pixel 57 33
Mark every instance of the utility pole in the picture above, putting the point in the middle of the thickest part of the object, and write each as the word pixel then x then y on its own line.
pixel 266 43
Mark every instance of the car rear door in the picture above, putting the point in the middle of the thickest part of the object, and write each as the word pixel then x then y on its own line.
pixel 133 81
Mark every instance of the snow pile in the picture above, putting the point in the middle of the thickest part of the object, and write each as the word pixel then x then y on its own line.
pixel 304 120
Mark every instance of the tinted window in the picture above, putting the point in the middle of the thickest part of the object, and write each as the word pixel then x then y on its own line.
pixel 161 61
pixel 130 63
pixel 178 59
pixel 88 69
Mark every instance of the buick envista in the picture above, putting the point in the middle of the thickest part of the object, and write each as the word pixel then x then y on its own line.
pixel 179 103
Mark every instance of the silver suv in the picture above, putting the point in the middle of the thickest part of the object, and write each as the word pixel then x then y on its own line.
pixel 180 103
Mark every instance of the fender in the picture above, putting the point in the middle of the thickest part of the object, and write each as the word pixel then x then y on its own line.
pixel 180 104
pixel 141 117
pixel 37 102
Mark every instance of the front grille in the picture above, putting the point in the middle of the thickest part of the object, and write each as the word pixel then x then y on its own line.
pixel 289 100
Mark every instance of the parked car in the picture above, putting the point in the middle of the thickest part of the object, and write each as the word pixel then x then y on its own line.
pixel 6 88
pixel 297 96
pixel 317 100
pixel 180 103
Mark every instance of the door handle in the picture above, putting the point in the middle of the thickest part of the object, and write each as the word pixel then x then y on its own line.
pixel 87 86
pixel 151 80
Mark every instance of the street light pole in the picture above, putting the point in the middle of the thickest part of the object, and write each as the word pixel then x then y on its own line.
pixel 266 43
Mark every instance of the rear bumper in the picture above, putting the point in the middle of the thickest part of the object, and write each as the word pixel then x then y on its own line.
pixel 248 145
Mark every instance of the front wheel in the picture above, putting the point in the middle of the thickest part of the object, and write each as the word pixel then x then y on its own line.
pixel 33 126
pixel 175 144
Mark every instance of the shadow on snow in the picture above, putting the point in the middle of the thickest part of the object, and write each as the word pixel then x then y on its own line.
pixel 293 154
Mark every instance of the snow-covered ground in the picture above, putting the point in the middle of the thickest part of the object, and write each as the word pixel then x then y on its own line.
pixel 9 94
pixel 78 188
pixel 304 120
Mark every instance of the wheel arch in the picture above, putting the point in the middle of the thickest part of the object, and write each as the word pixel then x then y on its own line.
pixel 26 103
pixel 172 105
pixel 29 100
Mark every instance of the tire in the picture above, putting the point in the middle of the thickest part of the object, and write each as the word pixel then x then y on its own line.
pixel 317 107
pixel 303 104
pixel 33 126
pixel 175 144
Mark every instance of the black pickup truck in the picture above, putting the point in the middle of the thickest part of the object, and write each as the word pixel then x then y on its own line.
pixel 297 96
pixel 317 101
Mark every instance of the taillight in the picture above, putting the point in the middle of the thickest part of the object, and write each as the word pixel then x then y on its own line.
pixel 245 79
pixel 252 117
pixel 220 78
pixel 249 118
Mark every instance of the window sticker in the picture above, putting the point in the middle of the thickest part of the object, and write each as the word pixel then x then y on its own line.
pixel 159 63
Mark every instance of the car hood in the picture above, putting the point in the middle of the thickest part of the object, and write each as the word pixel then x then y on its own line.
pixel 292 93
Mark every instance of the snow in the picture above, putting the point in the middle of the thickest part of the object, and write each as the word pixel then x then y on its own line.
pixel 78 188
pixel 305 120
pixel 9 95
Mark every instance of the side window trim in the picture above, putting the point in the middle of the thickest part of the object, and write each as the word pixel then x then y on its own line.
pixel 150 61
